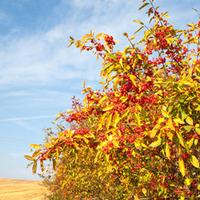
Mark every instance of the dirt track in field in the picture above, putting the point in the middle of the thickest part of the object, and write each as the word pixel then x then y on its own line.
pixel 11 189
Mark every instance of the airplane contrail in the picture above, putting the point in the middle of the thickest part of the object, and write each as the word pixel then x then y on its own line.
pixel 27 118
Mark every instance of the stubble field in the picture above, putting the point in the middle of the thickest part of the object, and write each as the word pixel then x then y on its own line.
pixel 11 189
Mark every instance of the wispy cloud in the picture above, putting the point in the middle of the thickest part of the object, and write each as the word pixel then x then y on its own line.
pixel 43 57
pixel 26 118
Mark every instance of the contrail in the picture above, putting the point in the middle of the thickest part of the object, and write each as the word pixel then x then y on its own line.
pixel 27 118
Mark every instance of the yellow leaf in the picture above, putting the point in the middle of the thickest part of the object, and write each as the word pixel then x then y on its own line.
pixel 109 121
pixel 116 119
pixel 181 166
pixel 179 121
pixel 167 150
pixel 181 141
pixel 99 36
pixel 190 143
pixel 170 40
pixel 189 120
pixel 133 78
pixel 170 124
pixel 115 83
pixel 136 197
pixel 125 114
pixel 170 135
pixel 123 99
pixel 188 181
pixel 102 99
pixel 137 116
pixel 194 161
pixel 196 142
pixel 35 146
pixel 182 197
pixel 139 56
pixel 156 143
pixel 133 153
pixel 144 191
pixel 108 108
pixel 197 130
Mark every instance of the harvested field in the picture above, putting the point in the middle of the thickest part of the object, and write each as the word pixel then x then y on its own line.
pixel 13 189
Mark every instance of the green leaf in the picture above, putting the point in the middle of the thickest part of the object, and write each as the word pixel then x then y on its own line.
pixel 139 29
pixel 188 128
pixel 34 168
pixel 144 5
pixel 42 165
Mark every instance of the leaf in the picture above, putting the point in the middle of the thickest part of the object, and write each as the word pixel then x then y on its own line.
pixel 170 124
pixel 181 166
pixel 156 143
pixel 35 146
pixel 139 29
pixel 54 164
pixel 42 165
pixel 170 40
pixel 180 137
pixel 108 108
pixel 188 128
pixel 189 120
pixel 109 121
pixel 190 143
pixel 133 78
pixel 170 135
pixel 29 157
pixel 144 5
pixel 116 119
pixel 138 21
pixel 197 130
pixel 188 181
pixel 194 161
pixel 179 121
pixel 167 151
pixel 153 132
pixel 34 168
pixel 144 191
pixel 123 99
pixel 136 197
pixel 100 36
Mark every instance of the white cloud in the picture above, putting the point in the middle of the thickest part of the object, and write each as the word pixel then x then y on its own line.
pixel 43 57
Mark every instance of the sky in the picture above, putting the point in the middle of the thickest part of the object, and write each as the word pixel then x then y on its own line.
pixel 39 74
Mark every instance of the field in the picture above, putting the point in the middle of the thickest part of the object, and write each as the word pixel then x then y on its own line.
pixel 11 189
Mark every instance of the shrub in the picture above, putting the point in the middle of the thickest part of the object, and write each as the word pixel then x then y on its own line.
pixel 142 128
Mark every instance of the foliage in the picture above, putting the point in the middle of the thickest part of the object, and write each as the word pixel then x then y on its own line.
pixel 143 127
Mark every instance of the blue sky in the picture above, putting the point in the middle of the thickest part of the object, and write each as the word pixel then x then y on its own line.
pixel 39 74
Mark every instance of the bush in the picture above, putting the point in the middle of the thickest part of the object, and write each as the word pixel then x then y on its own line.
pixel 139 136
